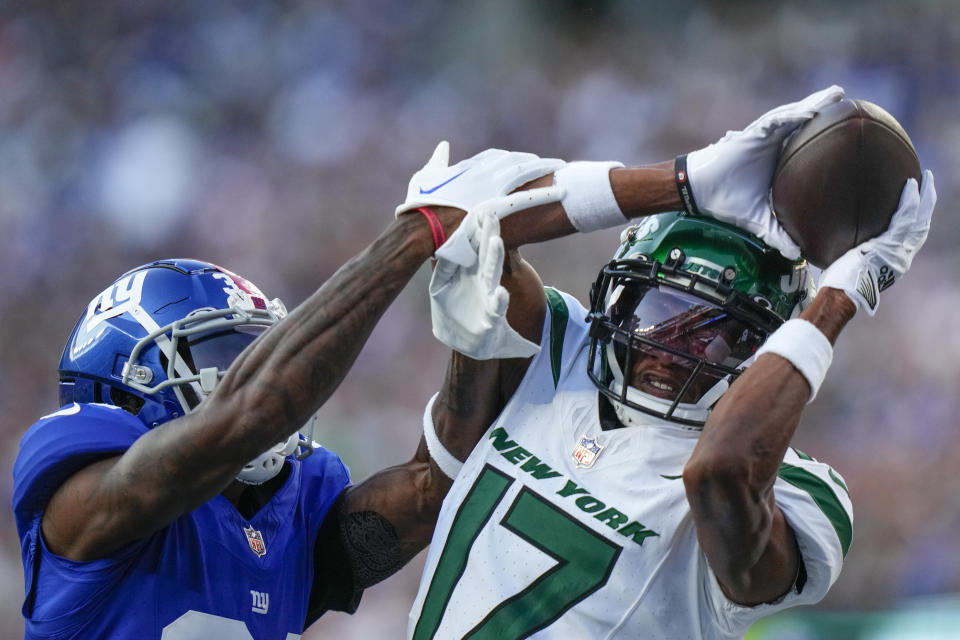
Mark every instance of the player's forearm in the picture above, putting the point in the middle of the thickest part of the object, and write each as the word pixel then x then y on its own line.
pixel 639 191
pixel 729 478
pixel 288 373
pixel 408 496
pixel 469 401
pixel 753 423
pixel 830 312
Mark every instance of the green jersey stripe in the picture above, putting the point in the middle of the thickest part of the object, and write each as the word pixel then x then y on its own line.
pixel 558 329
pixel 825 498
pixel 802 455
pixel 474 512
pixel 839 481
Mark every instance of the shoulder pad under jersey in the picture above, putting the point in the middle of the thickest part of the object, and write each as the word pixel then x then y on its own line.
pixel 62 443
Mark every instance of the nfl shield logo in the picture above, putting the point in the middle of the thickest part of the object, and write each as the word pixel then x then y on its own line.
pixel 587 451
pixel 255 540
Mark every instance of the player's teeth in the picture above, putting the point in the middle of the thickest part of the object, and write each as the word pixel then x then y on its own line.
pixel 662 385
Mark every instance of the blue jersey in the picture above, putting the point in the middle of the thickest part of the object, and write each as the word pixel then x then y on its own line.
pixel 210 574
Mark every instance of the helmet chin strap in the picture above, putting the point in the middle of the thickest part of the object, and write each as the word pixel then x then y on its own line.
pixel 631 417
pixel 713 393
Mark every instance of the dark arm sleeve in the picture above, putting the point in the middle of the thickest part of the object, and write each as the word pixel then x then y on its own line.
pixel 352 552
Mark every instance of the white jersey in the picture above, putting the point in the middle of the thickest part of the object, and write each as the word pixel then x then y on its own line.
pixel 555 528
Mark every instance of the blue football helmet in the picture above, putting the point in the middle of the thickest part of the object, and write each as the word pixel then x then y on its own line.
pixel 157 341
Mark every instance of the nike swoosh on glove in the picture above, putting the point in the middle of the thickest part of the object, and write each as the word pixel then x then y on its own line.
pixel 869 268
pixel 488 174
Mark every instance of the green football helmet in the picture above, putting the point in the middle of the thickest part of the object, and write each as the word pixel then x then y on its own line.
pixel 680 311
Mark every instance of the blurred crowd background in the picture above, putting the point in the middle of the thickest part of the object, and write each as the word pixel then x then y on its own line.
pixel 276 137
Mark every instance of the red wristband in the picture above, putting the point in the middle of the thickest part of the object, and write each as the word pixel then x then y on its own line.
pixel 439 237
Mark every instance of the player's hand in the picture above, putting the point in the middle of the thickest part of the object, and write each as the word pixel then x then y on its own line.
pixel 468 306
pixel 866 270
pixel 488 174
pixel 730 179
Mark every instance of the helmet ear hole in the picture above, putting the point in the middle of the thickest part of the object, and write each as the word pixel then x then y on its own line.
pixel 126 400
pixel 68 387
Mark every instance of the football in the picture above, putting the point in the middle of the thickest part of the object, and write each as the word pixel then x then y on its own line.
pixel 839 178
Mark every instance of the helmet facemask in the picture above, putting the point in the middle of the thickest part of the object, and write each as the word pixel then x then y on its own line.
pixel 197 351
pixel 669 337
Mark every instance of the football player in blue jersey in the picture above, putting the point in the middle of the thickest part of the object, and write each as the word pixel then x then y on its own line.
pixel 172 496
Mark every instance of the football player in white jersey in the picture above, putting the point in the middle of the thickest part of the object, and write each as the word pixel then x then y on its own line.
pixel 636 477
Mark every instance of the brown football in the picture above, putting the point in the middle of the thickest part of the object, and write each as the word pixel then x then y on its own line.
pixel 839 178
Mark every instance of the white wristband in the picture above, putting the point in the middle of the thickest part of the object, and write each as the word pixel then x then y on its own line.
pixel 805 347
pixel 588 197
pixel 444 459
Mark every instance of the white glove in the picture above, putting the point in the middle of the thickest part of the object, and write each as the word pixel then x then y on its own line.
pixel 461 247
pixel 467 304
pixel 488 174
pixel 866 270
pixel 730 179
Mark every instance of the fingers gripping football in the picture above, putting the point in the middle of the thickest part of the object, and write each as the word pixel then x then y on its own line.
pixel 866 270
pixel 910 225
pixel 730 179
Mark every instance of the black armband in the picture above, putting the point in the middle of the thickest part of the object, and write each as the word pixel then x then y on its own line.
pixel 372 546
pixel 353 551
